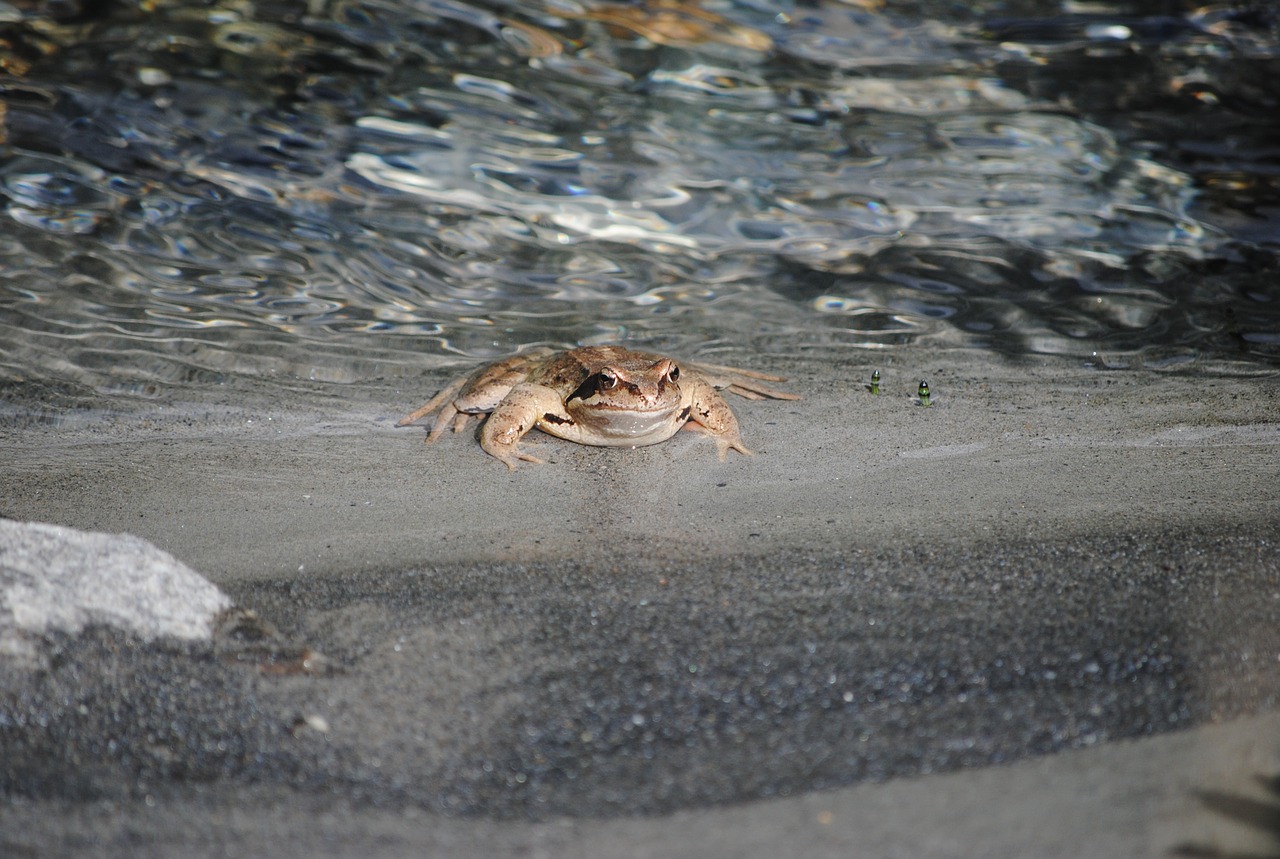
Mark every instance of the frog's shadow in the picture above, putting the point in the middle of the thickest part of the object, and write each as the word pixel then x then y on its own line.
pixel 1262 816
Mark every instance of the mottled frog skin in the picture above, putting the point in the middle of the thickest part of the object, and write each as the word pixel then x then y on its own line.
pixel 598 395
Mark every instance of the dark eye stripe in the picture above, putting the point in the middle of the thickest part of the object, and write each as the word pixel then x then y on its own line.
pixel 587 389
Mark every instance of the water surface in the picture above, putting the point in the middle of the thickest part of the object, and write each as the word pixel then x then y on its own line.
pixel 343 191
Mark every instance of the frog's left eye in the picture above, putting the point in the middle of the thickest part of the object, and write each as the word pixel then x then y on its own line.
pixel 608 381
pixel 673 374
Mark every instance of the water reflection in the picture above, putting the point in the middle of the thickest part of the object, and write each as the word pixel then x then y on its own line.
pixel 350 190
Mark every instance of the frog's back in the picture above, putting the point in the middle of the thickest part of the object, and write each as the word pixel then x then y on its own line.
pixel 565 371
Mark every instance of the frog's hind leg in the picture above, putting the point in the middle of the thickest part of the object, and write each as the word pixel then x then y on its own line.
pixel 445 396
pixel 449 417
pixel 721 370
pixel 756 391
pixel 461 420
pixel 745 392
pixel 743 382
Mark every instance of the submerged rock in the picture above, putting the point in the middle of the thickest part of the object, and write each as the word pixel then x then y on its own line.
pixel 60 580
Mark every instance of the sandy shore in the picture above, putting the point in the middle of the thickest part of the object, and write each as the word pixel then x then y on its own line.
pixel 1040 616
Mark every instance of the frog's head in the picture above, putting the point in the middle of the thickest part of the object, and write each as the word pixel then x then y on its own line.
pixel 630 402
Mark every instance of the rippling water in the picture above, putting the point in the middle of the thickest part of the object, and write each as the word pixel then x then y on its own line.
pixel 348 190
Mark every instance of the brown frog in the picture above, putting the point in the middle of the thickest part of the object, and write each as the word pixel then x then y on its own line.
pixel 599 395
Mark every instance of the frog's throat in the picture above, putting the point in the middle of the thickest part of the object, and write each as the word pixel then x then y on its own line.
pixel 622 427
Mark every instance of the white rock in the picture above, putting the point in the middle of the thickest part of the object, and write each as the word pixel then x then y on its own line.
pixel 55 579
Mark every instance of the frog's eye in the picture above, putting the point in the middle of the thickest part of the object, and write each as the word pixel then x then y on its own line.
pixel 608 381
pixel 673 375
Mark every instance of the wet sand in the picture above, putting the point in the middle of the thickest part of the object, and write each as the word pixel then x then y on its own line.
pixel 1037 616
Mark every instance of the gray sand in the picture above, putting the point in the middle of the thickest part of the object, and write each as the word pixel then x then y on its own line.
pixel 1041 617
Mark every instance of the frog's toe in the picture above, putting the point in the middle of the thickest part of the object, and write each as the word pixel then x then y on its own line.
pixel 507 451
pixel 724 445
pixel 724 442
pixel 442 422
pixel 516 456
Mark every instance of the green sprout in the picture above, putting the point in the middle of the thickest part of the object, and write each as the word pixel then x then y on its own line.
pixel 874 387
pixel 923 392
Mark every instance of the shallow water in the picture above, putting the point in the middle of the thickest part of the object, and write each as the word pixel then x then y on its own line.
pixel 342 191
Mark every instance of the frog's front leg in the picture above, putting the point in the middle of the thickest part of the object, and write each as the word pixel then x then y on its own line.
pixel 520 411
pixel 710 414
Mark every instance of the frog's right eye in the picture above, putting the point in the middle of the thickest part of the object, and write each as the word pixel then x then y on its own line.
pixel 606 381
